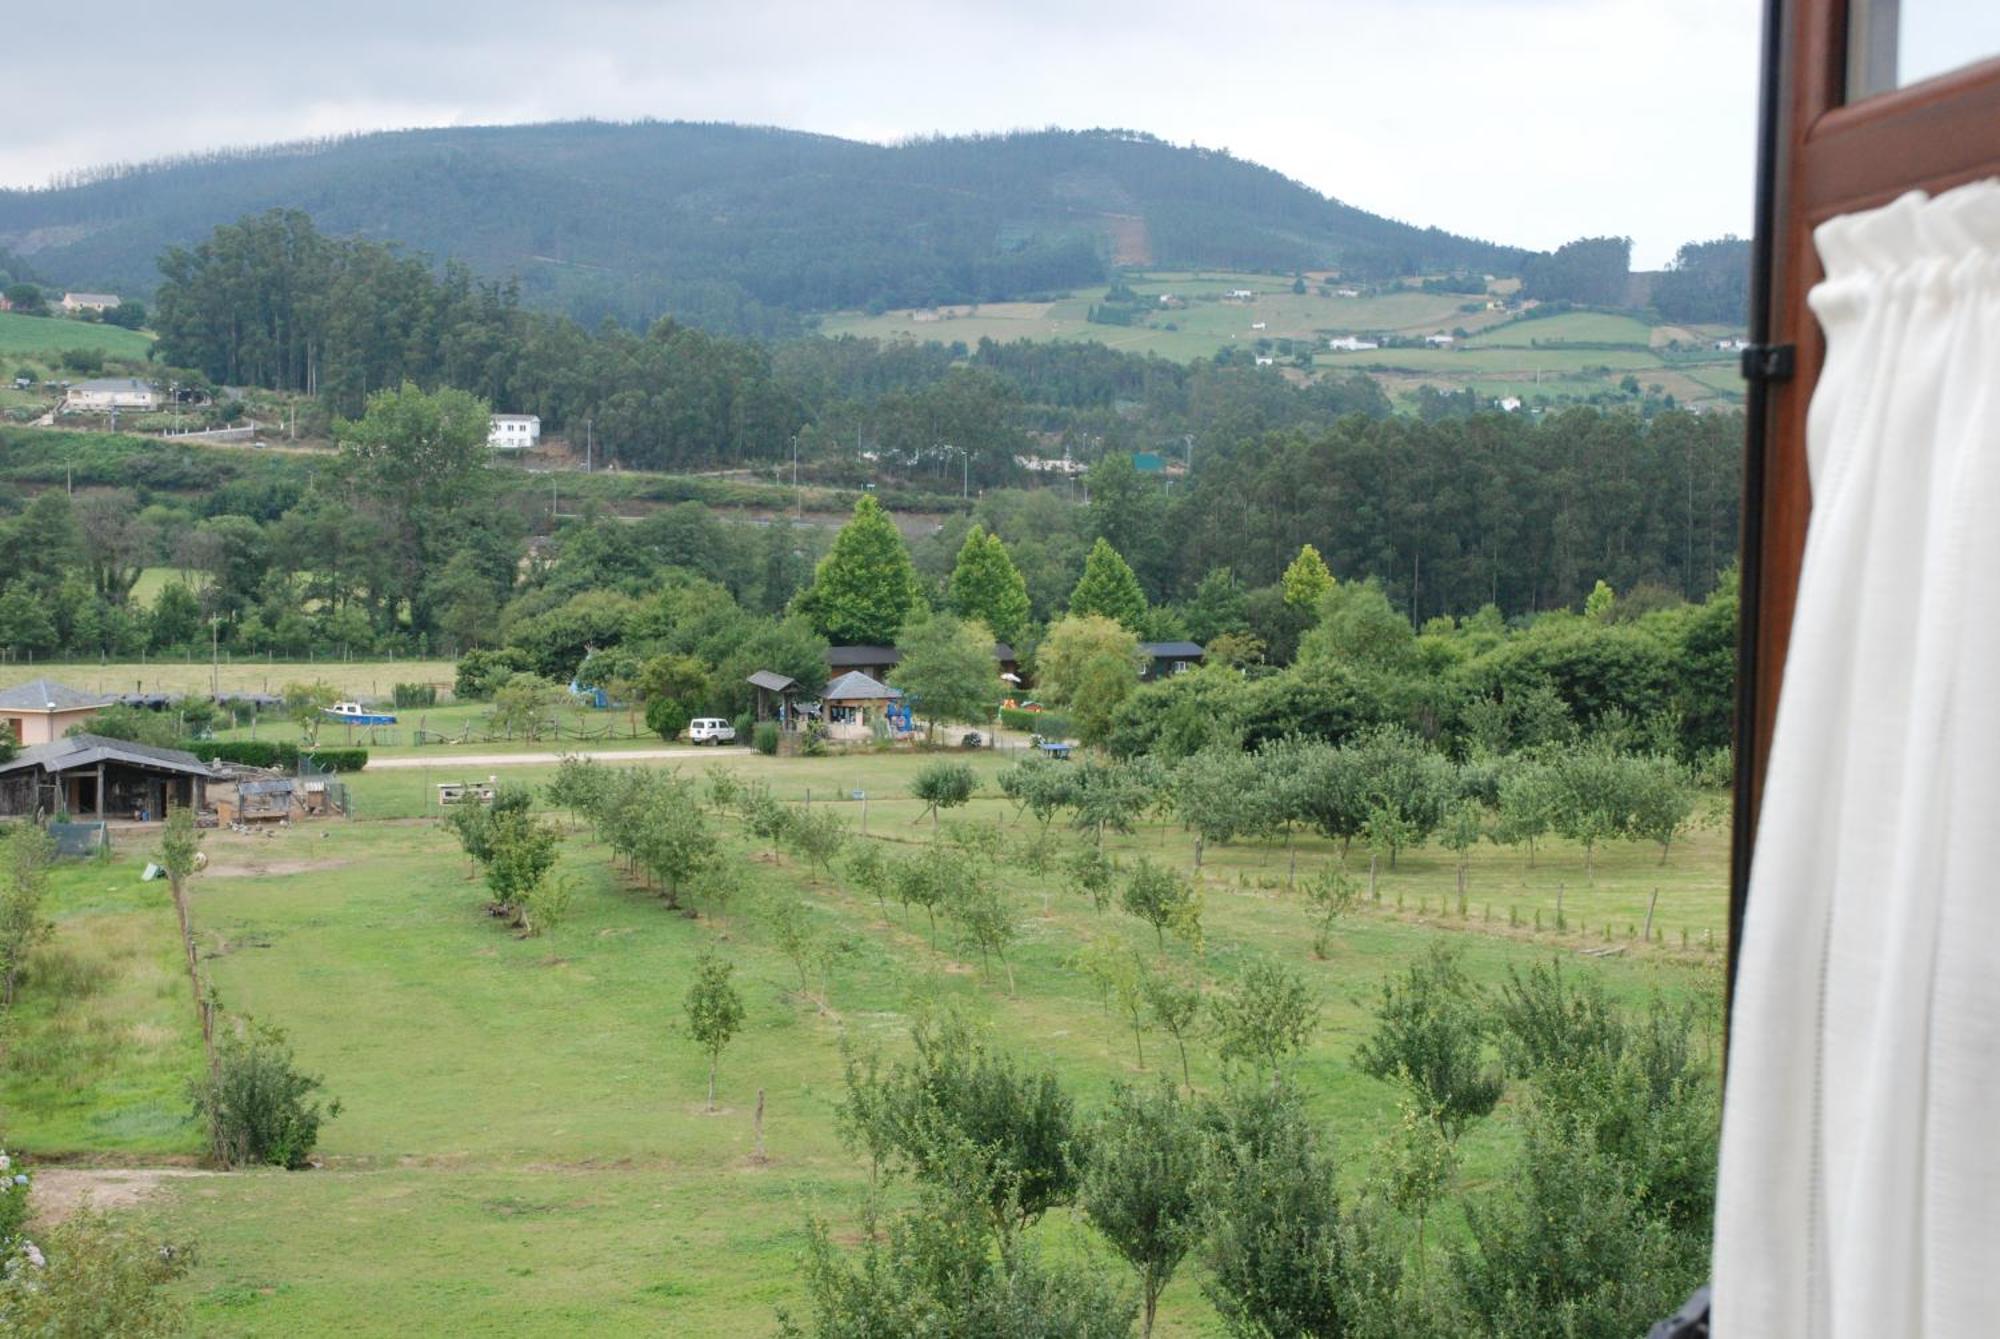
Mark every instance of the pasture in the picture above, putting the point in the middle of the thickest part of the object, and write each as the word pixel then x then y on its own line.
pixel 43 337
pixel 523 1146
pixel 192 674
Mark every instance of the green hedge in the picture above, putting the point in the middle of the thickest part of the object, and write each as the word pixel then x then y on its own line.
pixel 1046 723
pixel 275 753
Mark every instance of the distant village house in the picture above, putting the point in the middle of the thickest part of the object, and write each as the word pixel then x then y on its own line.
pixel 89 302
pixel 1351 344
pixel 1161 659
pixel 107 393
pixel 514 432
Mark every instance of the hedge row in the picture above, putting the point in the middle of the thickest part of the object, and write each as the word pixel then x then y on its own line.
pixel 1046 723
pixel 276 753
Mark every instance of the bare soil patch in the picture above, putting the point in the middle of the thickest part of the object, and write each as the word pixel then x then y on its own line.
pixel 61 1191
pixel 262 868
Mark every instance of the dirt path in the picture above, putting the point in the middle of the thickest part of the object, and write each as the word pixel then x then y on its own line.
pixel 61 1191
pixel 544 759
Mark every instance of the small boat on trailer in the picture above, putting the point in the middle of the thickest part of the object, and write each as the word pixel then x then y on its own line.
pixel 353 713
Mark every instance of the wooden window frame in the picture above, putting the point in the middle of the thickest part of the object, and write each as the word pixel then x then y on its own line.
pixel 1819 156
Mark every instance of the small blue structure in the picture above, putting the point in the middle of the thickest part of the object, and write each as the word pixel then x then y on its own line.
pixel 596 697
pixel 1055 748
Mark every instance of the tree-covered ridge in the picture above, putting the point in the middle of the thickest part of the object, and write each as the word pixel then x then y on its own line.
pixel 737 227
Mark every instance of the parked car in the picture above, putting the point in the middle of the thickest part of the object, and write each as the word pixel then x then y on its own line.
pixel 711 730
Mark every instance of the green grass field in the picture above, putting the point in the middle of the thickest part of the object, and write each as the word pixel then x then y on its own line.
pixel 523 1147
pixel 362 678
pixel 44 336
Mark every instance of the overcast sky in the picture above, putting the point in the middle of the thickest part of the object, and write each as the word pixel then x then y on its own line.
pixel 1523 121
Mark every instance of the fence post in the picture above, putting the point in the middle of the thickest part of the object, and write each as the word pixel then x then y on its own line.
pixel 1373 895
pixel 1650 903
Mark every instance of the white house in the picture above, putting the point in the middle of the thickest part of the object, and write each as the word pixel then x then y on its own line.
pixel 1351 344
pixel 1049 464
pixel 1732 345
pixel 89 302
pixel 1265 360
pixel 1241 294
pixel 1509 403
pixel 514 432
pixel 1438 341
pixel 1257 325
pixel 107 393
pixel 1347 292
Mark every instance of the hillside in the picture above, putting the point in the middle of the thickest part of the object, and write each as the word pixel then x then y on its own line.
pixel 739 228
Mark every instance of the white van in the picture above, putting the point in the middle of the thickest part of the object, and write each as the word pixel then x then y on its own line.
pixel 711 730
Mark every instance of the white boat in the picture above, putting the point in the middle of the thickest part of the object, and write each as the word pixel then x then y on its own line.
pixel 353 713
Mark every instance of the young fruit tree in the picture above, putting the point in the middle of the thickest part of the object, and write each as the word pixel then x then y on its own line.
pixel 1142 1185
pixel 943 785
pixel 714 1010
pixel 1164 899
pixel 1430 1033
pixel 25 853
pixel 1267 1018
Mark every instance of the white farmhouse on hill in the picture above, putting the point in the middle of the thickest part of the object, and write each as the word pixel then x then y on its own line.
pixel 514 432
pixel 1241 294
pixel 89 302
pixel 1351 344
pixel 1439 341
pixel 105 393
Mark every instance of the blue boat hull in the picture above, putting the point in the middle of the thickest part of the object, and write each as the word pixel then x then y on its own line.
pixel 373 719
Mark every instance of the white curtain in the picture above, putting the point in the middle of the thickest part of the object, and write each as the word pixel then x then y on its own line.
pixel 1860 1182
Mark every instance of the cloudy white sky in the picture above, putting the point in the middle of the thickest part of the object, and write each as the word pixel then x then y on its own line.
pixel 1525 121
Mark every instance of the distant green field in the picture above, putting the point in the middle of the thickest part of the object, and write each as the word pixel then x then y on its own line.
pixel 1208 323
pixel 48 335
pixel 1498 355
pixel 153 580
pixel 1570 327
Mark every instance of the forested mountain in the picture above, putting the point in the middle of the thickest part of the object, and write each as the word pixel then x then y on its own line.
pixel 736 228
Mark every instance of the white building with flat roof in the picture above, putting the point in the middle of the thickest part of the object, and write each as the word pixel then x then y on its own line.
pixel 514 432
pixel 107 393
pixel 90 302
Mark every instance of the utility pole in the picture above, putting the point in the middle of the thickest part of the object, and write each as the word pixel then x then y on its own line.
pixel 798 498
pixel 214 655
pixel 586 445
pixel 965 479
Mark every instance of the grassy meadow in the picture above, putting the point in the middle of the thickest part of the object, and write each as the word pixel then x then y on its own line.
pixel 192 674
pixel 42 337
pixel 524 1146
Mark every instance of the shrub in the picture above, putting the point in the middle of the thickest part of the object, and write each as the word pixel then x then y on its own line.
pixel 13 1202
pixel 95 1275
pixel 765 738
pixel 338 760
pixel 248 752
pixel 1048 724
pixel 415 695
pixel 257 1106
pixel 480 673
pixel 667 717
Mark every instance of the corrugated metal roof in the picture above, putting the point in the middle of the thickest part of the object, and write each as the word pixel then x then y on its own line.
pixel 1172 650
pixel 771 681
pixel 89 750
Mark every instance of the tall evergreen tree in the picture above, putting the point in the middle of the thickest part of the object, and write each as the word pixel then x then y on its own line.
pixel 985 585
pixel 1108 587
pixel 865 587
